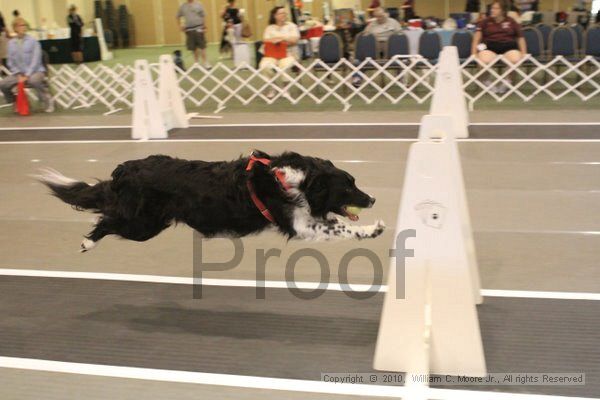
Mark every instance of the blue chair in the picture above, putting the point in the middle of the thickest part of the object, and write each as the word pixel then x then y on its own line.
pixel 365 46
pixel 330 48
pixel 430 46
pixel 545 32
pixel 592 42
pixel 397 45
pixel 563 42
pixel 463 40
pixel 330 52
pixel 534 41
pixel 579 31
pixel 535 47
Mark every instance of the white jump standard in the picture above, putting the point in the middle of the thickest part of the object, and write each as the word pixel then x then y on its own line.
pixel 431 325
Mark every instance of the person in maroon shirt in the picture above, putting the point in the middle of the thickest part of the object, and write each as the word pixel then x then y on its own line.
pixel 499 34
pixel 374 4
pixel 409 9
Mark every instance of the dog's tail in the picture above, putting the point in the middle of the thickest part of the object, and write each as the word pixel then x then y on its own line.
pixel 81 195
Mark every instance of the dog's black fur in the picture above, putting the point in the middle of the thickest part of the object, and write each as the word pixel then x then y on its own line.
pixel 146 196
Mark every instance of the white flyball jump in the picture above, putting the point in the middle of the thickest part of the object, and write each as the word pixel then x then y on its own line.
pixel 154 116
pixel 105 55
pixel 447 96
pixel 429 323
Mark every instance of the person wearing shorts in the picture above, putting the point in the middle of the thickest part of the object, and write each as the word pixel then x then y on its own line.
pixel 499 34
pixel 194 27
pixel 280 30
pixel 496 35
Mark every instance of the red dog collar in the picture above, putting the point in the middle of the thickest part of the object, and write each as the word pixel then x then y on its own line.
pixel 280 175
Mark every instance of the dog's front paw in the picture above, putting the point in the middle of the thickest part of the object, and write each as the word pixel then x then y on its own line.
pixel 331 218
pixel 372 231
pixel 87 245
pixel 379 228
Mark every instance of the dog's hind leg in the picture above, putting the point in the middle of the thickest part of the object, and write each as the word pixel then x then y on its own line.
pixel 104 226
pixel 138 230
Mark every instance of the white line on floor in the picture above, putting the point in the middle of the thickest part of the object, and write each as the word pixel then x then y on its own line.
pixel 269 140
pixel 264 383
pixel 210 140
pixel 276 284
pixel 301 124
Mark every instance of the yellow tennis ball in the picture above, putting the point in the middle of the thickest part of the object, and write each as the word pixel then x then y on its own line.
pixel 353 210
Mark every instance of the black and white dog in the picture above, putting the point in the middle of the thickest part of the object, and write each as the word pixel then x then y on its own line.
pixel 297 195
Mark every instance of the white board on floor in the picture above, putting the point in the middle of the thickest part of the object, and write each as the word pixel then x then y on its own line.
pixel 147 119
pixel 105 55
pixel 448 97
pixel 434 327
pixel 169 95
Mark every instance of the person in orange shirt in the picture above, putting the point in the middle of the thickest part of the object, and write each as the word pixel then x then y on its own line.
pixel 279 31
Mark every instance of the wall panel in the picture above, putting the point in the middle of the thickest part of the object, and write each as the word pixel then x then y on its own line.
pixel 173 34
pixel 142 14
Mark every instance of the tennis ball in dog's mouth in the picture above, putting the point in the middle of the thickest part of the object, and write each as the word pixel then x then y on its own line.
pixel 353 210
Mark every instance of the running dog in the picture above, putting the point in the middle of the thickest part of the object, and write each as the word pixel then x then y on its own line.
pixel 298 195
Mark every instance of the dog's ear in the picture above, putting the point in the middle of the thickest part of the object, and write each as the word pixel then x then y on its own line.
pixel 316 191
pixel 261 154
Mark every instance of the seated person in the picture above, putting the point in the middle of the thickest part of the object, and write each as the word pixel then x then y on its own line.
pixel 25 65
pixel 382 27
pixel 499 34
pixel 279 30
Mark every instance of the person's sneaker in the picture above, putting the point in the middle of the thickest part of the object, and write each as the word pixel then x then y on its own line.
pixel 207 65
pixel 50 106
pixel 501 88
pixel 271 93
pixel 356 81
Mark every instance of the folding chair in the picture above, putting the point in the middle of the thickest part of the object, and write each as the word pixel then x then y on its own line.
pixel 535 42
pixel 563 42
pixel 591 46
pixel 535 48
pixel 463 40
pixel 430 46
pixel 331 51
pixel 579 31
pixel 545 32
pixel 397 45
pixel 365 46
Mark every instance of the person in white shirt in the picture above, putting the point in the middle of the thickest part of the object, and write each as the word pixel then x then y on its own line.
pixel 280 30
pixel 382 27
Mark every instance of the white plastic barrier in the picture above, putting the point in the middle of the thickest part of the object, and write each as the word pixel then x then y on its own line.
pixel 447 95
pixel 169 96
pixel 153 117
pixel 105 55
pixel 435 327
pixel 148 122
pixel 430 325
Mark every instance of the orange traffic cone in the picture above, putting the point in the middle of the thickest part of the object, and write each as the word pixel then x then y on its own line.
pixel 22 102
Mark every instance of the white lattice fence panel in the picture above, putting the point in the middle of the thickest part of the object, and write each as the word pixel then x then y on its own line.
pixel 400 79
pixel 531 78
